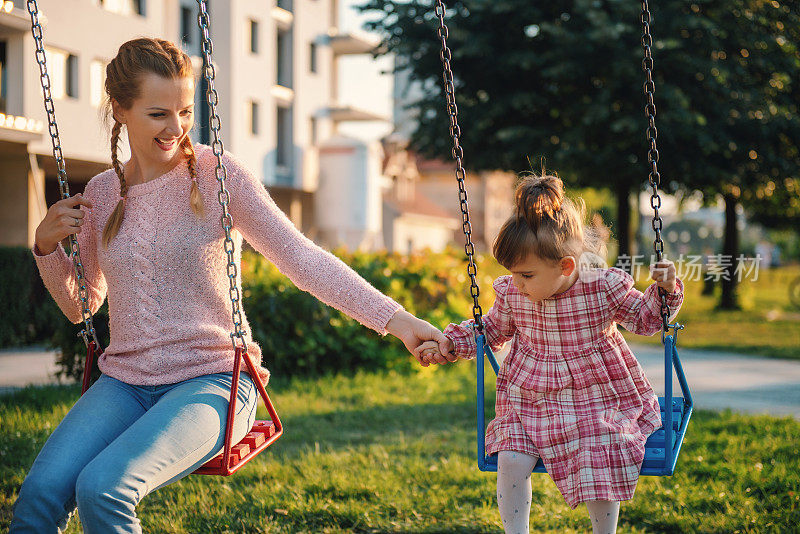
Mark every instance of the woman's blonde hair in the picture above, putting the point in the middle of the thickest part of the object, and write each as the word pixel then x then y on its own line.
pixel 123 85
pixel 546 223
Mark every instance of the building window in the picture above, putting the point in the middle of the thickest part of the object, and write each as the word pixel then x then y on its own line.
pixel 189 32
pixel 254 36
pixel 97 80
pixel 123 7
pixel 254 118
pixel 3 77
pixel 202 112
pixel 284 59
pixel 312 57
pixel 283 150
pixel 63 70
pixel 187 25
pixel 312 131
pixel 72 76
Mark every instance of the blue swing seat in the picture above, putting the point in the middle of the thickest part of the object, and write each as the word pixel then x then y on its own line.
pixel 659 460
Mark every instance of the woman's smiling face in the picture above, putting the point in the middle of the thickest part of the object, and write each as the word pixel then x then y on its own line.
pixel 159 120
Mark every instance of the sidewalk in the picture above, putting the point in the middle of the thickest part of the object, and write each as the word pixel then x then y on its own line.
pixel 26 366
pixel 717 380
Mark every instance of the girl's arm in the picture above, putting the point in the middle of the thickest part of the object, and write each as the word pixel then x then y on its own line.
pixel 638 312
pixel 308 266
pixel 58 273
pixel 498 324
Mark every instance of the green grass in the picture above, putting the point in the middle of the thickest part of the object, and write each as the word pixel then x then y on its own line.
pixel 394 453
pixel 768 324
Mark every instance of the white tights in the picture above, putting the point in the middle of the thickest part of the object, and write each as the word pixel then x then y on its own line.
pixel 514 497
pixel 604 515
pixel 514 490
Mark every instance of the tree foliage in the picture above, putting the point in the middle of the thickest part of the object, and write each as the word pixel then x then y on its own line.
pixel 563 80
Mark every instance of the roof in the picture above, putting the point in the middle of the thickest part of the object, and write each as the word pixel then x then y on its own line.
pixel 418 205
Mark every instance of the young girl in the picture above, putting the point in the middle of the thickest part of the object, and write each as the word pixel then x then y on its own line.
pixel 151 241
pixel 570 391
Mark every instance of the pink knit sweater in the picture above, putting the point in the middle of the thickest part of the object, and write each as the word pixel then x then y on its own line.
pixel 166 278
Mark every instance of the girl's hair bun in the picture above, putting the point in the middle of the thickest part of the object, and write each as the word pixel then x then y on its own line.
pixel 538 198
pixel 546 223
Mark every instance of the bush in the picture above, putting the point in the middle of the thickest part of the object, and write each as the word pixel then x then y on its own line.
pixel 301 336
pixel 29 310
pixel 71 348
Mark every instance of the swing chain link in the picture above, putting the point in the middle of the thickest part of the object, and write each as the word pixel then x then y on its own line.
pixel 458 153
pixel 63 184
pixel 221 174
pixel 652 154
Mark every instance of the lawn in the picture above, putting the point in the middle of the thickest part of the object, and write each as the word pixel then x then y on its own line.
pixel 394 453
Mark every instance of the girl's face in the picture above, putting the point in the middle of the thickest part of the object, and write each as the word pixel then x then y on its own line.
pixel 537 278
pixel 159 120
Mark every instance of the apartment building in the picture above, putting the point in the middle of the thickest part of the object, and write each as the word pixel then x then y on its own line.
pixel 276 75
pixel 490 193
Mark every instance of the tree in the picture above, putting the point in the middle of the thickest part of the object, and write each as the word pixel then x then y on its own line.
pixel 563 79
pixel 745 96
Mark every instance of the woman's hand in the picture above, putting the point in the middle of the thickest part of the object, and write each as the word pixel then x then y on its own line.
pixel 414 332
pixel 63 218
pixel 663 273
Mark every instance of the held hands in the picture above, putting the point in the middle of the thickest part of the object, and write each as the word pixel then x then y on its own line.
pixel 414 332
pixel 663 273
pixel 63 218
pixel 430 352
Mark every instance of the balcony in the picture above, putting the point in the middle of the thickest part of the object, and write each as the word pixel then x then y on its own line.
pixel 284 176
pixel 350 113
pixel 17 129
pixel 283 96
pixel 283 18
pixel 15 19
pixel 352 42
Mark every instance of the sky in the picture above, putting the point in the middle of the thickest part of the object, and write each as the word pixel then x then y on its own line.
pixel 361 83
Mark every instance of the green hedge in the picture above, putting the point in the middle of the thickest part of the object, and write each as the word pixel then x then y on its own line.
pixel 29 313
pixel 301 336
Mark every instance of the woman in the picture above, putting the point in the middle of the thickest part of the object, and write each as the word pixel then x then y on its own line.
pixel 151 240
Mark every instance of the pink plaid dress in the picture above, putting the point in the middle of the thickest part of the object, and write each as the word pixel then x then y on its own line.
pixel 570 390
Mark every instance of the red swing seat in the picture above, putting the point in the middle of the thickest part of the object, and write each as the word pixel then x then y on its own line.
pixel 232 457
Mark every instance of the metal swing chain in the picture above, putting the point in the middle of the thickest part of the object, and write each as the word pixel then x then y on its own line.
pixel 652 154
pixel 458 153
pixel 63 185
pixel 221 173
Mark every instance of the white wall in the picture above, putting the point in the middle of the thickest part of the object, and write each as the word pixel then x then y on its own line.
pixel 313 91
pixel 361 83
pixel 420 232
pixel 249 77
pixel 348 201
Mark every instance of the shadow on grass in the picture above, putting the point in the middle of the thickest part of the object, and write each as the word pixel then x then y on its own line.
pixel 388 424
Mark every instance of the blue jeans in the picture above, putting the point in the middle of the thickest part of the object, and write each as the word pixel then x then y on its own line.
pixel 120 442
